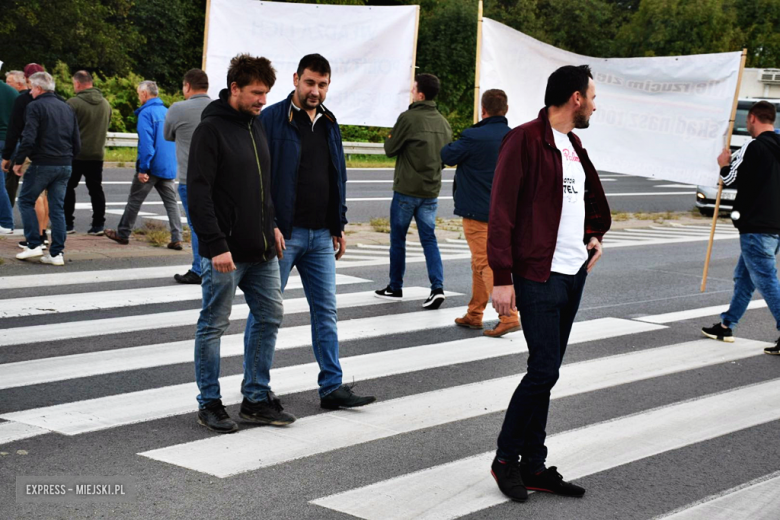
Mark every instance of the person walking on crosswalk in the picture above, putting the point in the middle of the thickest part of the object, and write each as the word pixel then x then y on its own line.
pixel 229 184
pixel 476 153
pixel 756 215
pixel 548 214
pixel 309 180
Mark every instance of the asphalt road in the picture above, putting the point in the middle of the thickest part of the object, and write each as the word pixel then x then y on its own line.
pixel 652 417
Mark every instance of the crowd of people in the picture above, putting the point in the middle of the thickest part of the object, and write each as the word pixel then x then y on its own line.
pixel 264 190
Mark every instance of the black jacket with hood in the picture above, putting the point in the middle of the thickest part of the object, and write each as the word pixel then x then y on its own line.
pixel 229 185
pixel 757 165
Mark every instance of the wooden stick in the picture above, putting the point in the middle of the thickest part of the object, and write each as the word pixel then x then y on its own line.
pixel 414 50
pixel 720 182
pixel 477 68
pixel 206 34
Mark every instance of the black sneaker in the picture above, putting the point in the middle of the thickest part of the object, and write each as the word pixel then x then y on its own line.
pixel 190 277
pixel 774 351
pixel 550 481
pixel 509 480
pixel 96 231
pixel 269 411
pixel 70 229
pixel 23 245
pixel 344 397
pixel 718 332
pixel 214 417
pixel 389 294
pixel 435 300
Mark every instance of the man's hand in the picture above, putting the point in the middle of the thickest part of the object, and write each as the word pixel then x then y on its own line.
pixel 224 263
pixel 18 170
pixel 143 177
pixel 724 159
pixel 339 245
pixel 504 299
pixel 280 247
pixel 6 163
pixel 594 244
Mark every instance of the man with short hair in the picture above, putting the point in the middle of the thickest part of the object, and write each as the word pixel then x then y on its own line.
pixel 155 168
pixel 229 184
pixel 476 154
pixel 548 214
pixel 309 182
pixel 16 79
pixel 94 115
pixel 8 96
pixel 757 217
pixel 51 140
pixel 416 140
pixel 180 122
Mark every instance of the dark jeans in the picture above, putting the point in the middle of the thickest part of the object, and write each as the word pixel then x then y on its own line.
pixel 54 179
pixel 547 311
pixel 92 171
pixel 402 210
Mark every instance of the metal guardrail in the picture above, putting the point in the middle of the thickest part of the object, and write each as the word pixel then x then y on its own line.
pixel 131 140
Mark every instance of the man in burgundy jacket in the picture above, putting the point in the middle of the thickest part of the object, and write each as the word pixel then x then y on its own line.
pixel 548 214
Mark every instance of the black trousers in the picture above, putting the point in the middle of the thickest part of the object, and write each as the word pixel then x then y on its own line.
pixel 92 171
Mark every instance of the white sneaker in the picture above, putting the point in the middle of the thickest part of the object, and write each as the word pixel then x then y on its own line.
pixel 6 231
pixel 53 260
pixel 30 253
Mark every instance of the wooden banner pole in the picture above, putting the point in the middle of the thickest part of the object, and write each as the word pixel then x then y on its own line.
pixel 477 68
pixel 414 51
pixel 206 35
pixel 720 181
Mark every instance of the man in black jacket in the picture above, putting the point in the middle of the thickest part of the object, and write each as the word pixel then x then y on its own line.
pixel 757 217
pixel 229 182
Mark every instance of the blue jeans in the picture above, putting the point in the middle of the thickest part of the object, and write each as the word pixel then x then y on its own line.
pixel 547 311
pixel 755 270
pixel 311 252
pixel 6 209
pixel 402 209
pixel 263 294
pixel 55 180
pixel 195 255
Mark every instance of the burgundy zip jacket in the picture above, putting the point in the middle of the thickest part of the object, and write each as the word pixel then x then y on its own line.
pixel 527 199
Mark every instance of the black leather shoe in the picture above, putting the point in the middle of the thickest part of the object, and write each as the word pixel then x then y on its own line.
pixel 269 411
pixel 190 277
pixel 344 397
pixel 214 417
pixel 550 481
pixel 509 480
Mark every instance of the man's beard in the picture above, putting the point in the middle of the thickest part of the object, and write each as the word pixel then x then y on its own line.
pixel 306 103
pixel 580 119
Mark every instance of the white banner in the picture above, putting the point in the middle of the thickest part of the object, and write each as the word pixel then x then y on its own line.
pixel 665 118
pixel 370 50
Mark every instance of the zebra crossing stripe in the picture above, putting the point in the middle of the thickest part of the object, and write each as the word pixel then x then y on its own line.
pixel 465 486
pixel 252 449
pixel 13 431
pixel 670 317
pixel 102 327
pixel 146 405
pixel 86 277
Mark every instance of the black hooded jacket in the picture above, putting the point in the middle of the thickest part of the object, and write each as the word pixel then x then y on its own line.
pixel 756 170
pixel 229 185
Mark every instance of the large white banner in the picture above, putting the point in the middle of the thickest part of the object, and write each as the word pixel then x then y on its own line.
pixel 370 50
pixel 655 117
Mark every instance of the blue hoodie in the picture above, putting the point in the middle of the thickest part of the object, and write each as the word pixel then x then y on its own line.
pixel 156 156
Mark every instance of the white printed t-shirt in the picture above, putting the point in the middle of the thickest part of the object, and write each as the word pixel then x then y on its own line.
pixel 570 251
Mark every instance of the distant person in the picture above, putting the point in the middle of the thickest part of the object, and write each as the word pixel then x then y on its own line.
pixel 229 184
pixel 155 168
pixel 16 79
pixel 757 217
pixel 51 140
pixel 416 140
pixel 94 116
pixel 548 214
pixel 309 184
pixel 8 96
pixel 476 154
pixel 180 122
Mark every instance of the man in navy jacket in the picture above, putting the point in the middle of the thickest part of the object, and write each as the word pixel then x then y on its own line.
pixel 476 154
pixel 309 184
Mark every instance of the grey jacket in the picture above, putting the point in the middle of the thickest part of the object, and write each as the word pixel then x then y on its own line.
pixel 181 121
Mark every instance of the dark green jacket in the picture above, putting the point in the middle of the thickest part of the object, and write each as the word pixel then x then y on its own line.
pixel 417 139
pixel 8 95
pixel 94 115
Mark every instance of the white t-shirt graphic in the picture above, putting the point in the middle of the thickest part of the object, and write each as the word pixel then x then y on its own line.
pixel 570 251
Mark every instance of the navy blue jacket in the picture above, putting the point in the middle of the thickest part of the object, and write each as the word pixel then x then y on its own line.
pixel 284 141
pixel 476 154
pixel 51 132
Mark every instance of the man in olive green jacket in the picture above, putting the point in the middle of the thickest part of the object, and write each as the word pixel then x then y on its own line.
pixel 416 140
pixel 94 115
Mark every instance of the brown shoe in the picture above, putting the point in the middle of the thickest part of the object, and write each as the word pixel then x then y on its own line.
pixel 113 235
pixel 503 328
pixel 175 245
pixel 468 321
